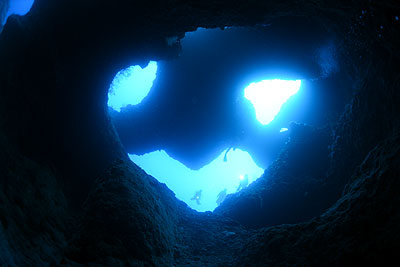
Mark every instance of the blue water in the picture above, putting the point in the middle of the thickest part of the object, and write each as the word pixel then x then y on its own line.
pixel 20 7
pixel 211 179
pixel 268 96
pixel 17 7
pixel 131 86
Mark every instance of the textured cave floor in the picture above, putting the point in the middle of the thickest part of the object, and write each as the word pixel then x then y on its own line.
pixel 205 239
pixel 209 241
pixel 342 235
pixel 201 239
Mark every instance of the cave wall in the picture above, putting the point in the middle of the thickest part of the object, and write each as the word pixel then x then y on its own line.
pixel 293 189
pixel 359 229
pixel 70 196
pixel 34 217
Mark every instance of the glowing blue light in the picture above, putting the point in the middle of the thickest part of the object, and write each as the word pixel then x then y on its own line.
pixel 268 96
pixel 20 7
pixel 131 86
pixel 212 179
pixel 284 130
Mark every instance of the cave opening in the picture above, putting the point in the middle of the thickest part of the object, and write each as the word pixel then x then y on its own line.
pixel 257 108
pixel 130 86
pixel 268 96
pixel 212 179
pixel 14 7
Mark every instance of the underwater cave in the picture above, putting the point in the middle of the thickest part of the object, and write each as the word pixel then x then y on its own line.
pixel 328 155
pixel 207 139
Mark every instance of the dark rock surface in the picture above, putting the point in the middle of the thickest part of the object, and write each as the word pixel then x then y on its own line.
pixel 69 196
pixel 293 189
pixel 360 229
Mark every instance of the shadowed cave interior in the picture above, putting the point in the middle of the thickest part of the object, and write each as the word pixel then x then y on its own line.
pixel 70 195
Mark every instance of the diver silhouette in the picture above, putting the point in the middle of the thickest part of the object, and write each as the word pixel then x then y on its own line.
pixel 221 197
pixel 234 142
pixel 243 183
pixel 226 153
pixel 197 197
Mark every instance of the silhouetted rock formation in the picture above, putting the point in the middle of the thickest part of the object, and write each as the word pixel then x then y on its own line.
pixel 70 196
pixel 293 189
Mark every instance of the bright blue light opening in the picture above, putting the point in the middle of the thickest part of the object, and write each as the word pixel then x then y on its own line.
pixel 268 96
pixel 211 179
pixel 284 130
pixel 130 86
pixel 20 7
pixel 17 7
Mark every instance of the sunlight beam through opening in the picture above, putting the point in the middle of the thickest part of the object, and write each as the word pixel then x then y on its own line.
pixel 211 179
pixel 130 86
pixel 268 96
